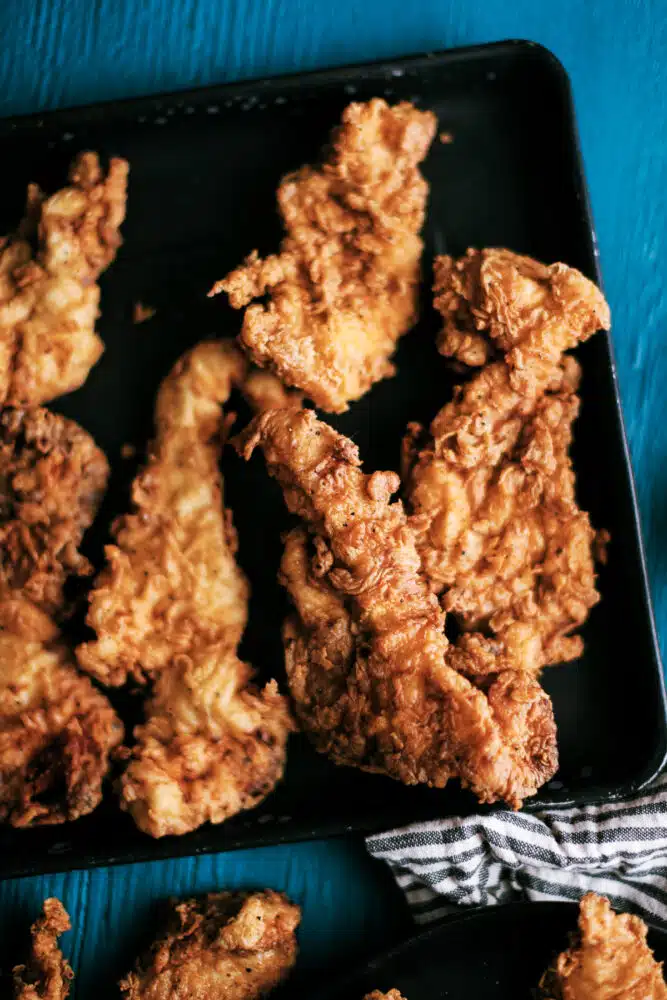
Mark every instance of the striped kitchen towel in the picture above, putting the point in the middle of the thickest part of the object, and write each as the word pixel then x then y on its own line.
pixel 618 850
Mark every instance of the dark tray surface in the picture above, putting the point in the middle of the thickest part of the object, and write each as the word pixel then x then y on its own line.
pixel 204 168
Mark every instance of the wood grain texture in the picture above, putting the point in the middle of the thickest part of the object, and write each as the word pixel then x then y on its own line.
pixel 350 906
pixel 56 53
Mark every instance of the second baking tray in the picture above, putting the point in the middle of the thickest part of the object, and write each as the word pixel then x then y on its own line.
pixel 492 953
pixel 204 171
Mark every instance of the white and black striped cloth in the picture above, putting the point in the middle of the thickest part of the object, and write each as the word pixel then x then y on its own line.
pixel 618 850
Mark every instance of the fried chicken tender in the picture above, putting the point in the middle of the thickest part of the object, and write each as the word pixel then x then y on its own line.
pixel 492 490
pixel 57 730
pixel 171 606
pixel 52 480
pixel 171 582
pixel 213 744
pixel 49 296
pixel 366 653
pixel 47 976
pixel 608 959
pixel 226 946
pixel 345 284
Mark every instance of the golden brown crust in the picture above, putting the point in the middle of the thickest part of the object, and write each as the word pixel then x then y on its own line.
pixel 344 286
pixel 57 731
pixel 47 975
pixel 171 605
pixel 171 582
pixel 366 654
pixel 495 300
pixel 263 390
pixel 608 960
pixel 49 295
pixel 213 745
pixel 391 995
pixel 228 946
pixel 52 480
pixel 492 490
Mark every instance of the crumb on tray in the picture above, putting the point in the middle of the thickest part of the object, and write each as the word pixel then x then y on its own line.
pixel 142 313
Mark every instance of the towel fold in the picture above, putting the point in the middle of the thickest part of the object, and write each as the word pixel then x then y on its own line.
pixel 618 850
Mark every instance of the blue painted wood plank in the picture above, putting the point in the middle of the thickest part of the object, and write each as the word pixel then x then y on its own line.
pixel 350 906
pixel 55 53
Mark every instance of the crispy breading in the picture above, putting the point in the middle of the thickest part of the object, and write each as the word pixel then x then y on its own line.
pixel 263 390
pixel 491 490
pixel 47 975
pixel 226 946
pixel 494 299
pixel 52 480
pixel 171 582
pixel 345 284
pixel 366 653
pixel 57 730
pixel 213 744
pixel 391 995
pixel 609 959
pixel 49 296
pixel 171 606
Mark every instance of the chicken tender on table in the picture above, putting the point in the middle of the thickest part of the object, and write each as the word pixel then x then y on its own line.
pixel 226 946
pixel 57 731
pixel 52 480
pixel 344 286
pixel 49 296
pixel 47 975
pixel 608 960
pixel 366 654
pixel 171 606
pixel 491 489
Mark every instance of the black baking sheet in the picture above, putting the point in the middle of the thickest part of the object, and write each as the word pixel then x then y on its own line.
pixel 498 953
pixel 204 170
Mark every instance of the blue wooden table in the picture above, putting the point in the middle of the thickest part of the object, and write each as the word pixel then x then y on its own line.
pixel 55 53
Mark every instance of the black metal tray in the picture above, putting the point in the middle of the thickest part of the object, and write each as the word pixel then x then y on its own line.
pixel 204 170
pixel 499 953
